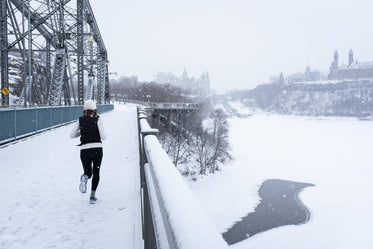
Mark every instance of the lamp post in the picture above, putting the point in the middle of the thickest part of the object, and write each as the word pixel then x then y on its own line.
pixel 148 96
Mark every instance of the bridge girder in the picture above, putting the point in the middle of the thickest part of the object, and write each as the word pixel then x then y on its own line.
pixel 38 29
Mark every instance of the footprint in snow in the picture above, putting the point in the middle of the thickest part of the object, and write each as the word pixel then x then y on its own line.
pixel 121 208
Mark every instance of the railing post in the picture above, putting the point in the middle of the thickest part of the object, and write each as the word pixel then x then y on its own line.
pixel 143 157
pixel 149 237
pixel 15 124
pixel 141 146
pixel 141 171
pixel 150 241
pixel 50 116
pixel 36 119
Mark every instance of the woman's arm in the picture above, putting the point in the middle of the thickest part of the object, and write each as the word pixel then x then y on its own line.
pixel 101 129
pixel 75 132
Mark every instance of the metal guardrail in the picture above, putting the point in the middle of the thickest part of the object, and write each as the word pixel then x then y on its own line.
pixel 16 123
pixel 167 222
pixel 174 106
pixel 166 106
pixel 150 241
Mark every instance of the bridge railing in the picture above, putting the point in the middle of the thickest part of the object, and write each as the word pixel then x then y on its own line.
pixel 173 105
pixel 166 106
pixel 172 216
pixel 16 123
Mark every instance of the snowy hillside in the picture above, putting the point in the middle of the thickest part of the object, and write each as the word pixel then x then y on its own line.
pixel 16 81
pixel 348 98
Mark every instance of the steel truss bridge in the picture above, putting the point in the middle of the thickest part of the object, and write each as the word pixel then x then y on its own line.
pixel 63 36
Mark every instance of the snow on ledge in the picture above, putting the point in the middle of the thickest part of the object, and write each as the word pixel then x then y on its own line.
pixel 191 227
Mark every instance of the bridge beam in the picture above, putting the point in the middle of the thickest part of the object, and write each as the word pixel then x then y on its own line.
pixel 4 51
pixel 53 25
pixel 80 50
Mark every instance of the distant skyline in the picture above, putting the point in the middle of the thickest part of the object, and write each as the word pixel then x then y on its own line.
pixel 241 43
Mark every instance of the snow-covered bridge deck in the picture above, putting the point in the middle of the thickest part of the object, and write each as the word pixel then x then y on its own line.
pixel 41 206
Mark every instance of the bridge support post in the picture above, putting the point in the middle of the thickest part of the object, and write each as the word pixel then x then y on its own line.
pixel 80 50
pixel 4 51
pixel 169 117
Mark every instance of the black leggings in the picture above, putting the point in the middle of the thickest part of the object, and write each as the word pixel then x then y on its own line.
pixel 89 156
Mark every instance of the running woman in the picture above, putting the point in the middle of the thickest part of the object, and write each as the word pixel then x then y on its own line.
pixel 90 128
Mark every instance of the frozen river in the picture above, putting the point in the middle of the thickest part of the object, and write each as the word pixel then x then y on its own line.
pixel 334 154
pixel 280 206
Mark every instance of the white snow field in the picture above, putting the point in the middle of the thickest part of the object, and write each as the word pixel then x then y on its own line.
pixel 335 154
pixel 40 202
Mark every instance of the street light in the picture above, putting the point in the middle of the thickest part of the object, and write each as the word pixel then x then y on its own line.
pixel 89 38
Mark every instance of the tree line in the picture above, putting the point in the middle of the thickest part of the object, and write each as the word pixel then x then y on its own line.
pixel 197 141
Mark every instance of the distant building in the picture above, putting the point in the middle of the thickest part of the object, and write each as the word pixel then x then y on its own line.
pixel 277 79
pixel 306 76
pixel 352 70
pixel 199 86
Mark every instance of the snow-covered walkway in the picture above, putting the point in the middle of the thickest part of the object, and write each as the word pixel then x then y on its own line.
pixel 41 206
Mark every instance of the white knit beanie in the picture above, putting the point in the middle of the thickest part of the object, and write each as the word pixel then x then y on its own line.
pixel 89 105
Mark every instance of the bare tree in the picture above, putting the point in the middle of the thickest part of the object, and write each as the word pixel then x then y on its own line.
pixel 220 136
pixel 212 145
pixel 192 148
pixel 203 151
pixel 176 145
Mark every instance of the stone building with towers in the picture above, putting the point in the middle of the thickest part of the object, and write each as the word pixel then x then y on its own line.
pixel 200 86
pixel 353 70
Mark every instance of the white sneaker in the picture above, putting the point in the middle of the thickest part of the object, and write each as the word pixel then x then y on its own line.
pixel 83 183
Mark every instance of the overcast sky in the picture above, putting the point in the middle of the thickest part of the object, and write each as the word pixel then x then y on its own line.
pixel 241 43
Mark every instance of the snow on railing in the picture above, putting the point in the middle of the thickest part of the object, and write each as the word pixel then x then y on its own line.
pixel 172 216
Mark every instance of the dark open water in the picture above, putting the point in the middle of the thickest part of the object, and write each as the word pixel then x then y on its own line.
pixel 280 206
